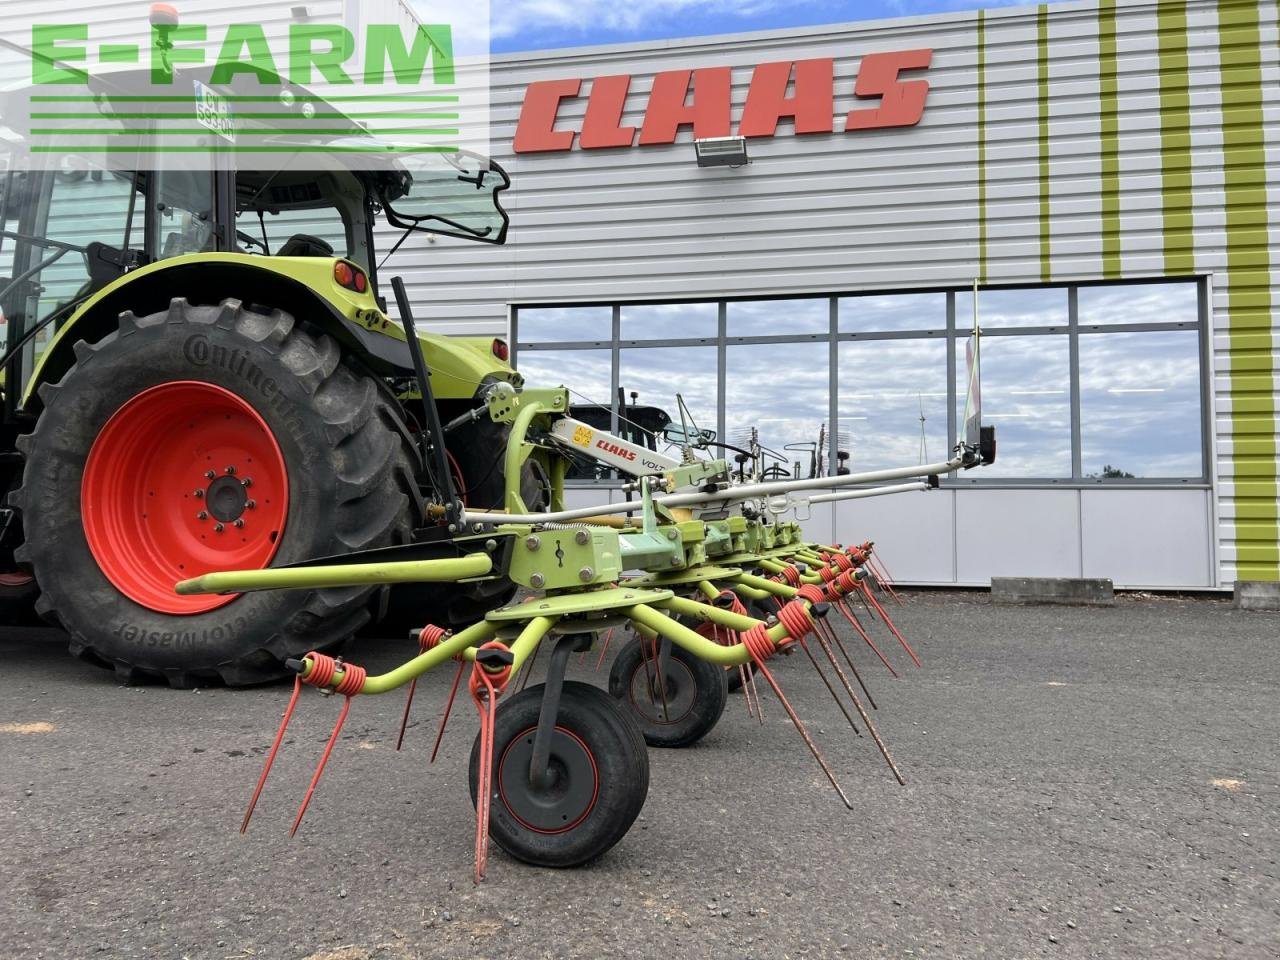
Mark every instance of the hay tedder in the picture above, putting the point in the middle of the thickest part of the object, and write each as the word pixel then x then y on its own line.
pixel 202 386
pixel 559 772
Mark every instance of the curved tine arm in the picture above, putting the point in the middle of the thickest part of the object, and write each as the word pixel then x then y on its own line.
pixel 766 588
pixel 702 647
pixel 457 644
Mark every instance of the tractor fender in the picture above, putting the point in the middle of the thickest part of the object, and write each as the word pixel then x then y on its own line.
pixel 304 286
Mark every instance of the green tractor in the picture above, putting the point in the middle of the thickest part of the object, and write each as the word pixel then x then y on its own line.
pixel 199 373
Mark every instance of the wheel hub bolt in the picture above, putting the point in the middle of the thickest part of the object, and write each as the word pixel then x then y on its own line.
pixel 199 494
pixel 202 515
pixel 230 470
pixel 247 481
pixel 239 524
pixel 209 474
pixel 250 504
pixel 217 528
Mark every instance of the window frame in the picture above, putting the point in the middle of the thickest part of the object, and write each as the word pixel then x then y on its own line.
pixel 956 331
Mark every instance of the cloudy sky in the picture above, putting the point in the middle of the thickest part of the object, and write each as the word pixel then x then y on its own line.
pixel 545 24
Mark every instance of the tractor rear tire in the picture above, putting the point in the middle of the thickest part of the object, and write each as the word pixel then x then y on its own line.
pixel 203 438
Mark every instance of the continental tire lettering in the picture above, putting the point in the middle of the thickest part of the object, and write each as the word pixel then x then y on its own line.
pixel 200 353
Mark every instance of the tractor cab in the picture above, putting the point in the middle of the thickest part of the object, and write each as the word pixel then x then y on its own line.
pixel 71 228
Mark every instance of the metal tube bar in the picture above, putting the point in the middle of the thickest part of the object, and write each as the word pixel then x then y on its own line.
pixel 742 491
pixel 340 575
pixel 874 492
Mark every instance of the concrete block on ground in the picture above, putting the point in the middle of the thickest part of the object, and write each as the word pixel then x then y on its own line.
pixel 1257 595
pixel 1098 592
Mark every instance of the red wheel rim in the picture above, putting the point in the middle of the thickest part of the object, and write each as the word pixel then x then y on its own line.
pixel 185 479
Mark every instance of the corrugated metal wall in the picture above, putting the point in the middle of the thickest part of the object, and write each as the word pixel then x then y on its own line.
pixel 1074 142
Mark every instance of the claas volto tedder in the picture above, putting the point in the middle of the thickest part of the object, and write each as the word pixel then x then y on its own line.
pixel 203 388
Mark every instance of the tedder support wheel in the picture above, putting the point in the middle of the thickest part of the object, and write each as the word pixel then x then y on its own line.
pixel 599 776
pixel 674 706
pixel 206 438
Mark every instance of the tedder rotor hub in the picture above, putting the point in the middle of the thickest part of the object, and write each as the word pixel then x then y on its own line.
pixel 569 792
pixel 186 478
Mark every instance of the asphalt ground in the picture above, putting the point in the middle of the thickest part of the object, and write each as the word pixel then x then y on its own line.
pixel 1081 783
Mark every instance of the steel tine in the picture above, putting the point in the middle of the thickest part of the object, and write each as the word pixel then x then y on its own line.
pixel 755 693
pixel 448 708
pixel 324 759
pixel 875 735
pixel 892 629
pixel 853 622
pixel 604 648
pixel 830 689
pixel 804 733
pixel 833 636
pixel 271 755
pixel 404 720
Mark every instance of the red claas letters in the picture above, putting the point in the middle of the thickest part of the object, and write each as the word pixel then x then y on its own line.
pixel 702 101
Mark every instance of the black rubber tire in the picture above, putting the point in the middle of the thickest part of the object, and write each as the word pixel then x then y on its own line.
pixel 18 603
pixel 352 486
pixel 696 694
pixel 610 736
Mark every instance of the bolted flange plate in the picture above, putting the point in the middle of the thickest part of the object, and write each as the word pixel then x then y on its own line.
pixel 682 578
pixel 585 601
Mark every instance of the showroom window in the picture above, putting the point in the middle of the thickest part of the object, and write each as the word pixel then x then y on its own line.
pixel 1086 384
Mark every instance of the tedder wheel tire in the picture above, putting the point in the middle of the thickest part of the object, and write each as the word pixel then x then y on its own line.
pixel 206 438
pixel 601 777
pixel 695 694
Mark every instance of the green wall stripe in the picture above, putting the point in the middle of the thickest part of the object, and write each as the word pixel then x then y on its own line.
pixel 1108 115
pixel 1042 78
pixel 1175 138
pixel 982 146
pixel 1249 301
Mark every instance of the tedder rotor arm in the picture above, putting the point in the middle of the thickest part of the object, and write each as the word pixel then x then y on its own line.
pixel 744 491
pixel 610 449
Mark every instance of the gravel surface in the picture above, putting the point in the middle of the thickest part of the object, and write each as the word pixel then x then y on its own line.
pixel 1081 783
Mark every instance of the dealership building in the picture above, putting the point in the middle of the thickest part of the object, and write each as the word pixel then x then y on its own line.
pixel 1106 175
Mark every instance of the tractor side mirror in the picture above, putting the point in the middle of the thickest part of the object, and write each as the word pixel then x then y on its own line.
pixel 674 433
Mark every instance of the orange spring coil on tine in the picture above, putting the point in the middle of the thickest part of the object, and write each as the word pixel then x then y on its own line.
pixel 796 618
pixel 486 686
pixel 811 593
pixel 789 574
pixel 429 638
pixel 828 573
pixel 353 677
pixel 736 602
pixel 842 561
pixel 838 587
